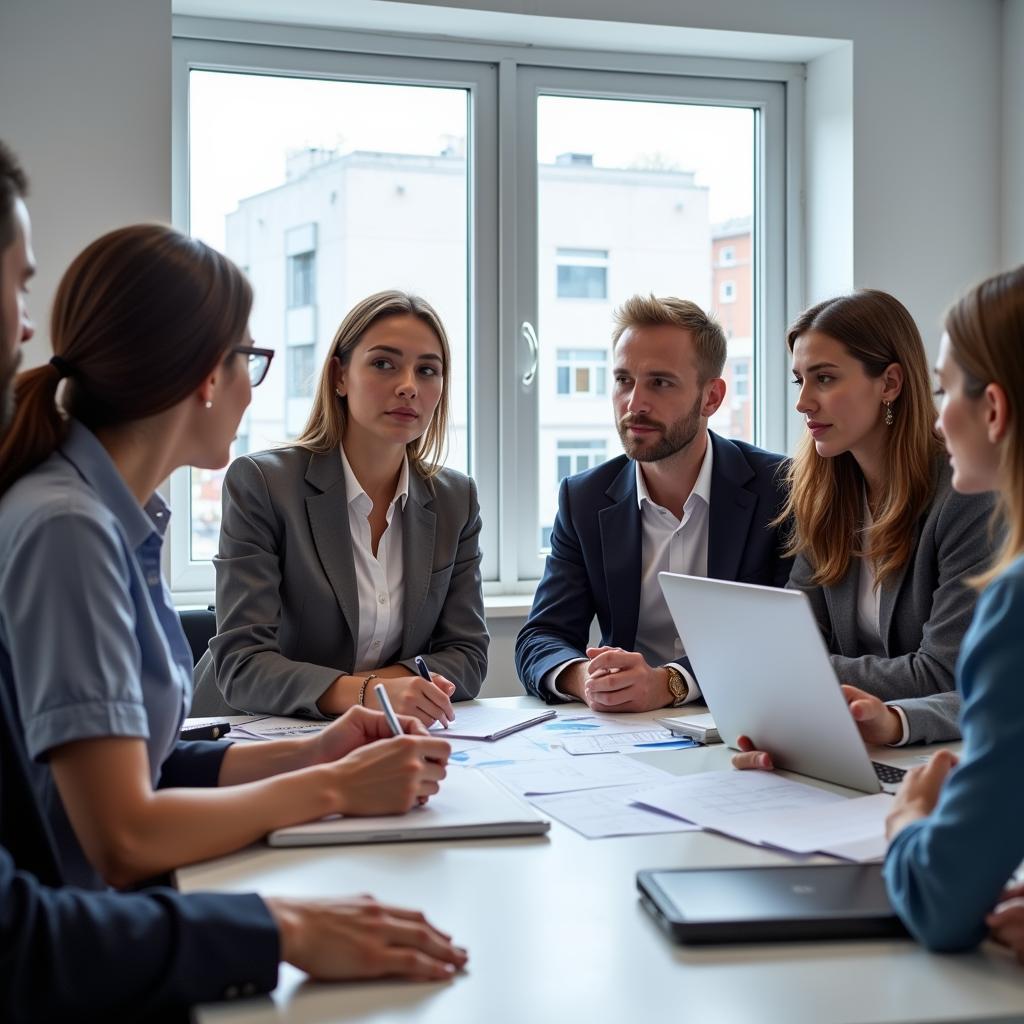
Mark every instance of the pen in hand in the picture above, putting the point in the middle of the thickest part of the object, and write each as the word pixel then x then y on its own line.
pixel 389 711
pixel 421 667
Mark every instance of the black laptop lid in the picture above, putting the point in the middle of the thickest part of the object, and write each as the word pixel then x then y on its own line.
pixel 765 904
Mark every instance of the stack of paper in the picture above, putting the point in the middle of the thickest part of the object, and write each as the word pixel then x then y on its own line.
pixel 767 810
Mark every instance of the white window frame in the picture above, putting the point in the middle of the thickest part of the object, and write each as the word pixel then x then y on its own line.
pixel 505 79
pixel 727 291
pixel 566 257
pixel 727 256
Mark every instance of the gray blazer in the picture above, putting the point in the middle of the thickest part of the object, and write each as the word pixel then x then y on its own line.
pixel 287 605
pixel 924 612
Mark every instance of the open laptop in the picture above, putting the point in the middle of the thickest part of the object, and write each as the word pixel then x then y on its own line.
pixel 766 904
pixel 765 673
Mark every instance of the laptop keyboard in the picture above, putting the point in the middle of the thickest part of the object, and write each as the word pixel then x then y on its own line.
pixel 888 773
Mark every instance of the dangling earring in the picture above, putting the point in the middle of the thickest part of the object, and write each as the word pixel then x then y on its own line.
pixel 888 414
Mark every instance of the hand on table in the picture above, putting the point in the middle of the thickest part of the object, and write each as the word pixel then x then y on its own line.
pixel 336 940
pixel 877 723
pixel 411 695
pixel 919 792
pixel 618 680
pixel 1007 920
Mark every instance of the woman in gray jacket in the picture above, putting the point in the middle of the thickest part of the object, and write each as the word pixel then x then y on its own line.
pixel 352 552
pixel 883 544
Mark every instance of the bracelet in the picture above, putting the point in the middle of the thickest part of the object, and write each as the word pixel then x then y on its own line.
pixel 362 689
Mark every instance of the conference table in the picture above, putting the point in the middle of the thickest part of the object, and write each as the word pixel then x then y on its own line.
pixel 555 932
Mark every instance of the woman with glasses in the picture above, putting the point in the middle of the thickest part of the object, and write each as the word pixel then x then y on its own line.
pixel 153 370
pixel 351 555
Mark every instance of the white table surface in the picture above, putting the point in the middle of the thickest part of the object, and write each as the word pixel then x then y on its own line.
pixel 555 933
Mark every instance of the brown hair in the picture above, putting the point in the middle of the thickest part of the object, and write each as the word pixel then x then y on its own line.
pixel 709 344
pixel 826 494
pixel 326 423
pixel 141 316
pixel 13 185
pixel 986 335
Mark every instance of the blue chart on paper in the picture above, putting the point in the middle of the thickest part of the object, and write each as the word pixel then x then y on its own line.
pixel 571 726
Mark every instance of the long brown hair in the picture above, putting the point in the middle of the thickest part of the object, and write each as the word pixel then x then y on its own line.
pixel 986 335
pixel 826 495
pixel 326 424
pixel 140 318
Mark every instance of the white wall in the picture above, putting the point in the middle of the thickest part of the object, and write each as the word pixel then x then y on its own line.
pixel 86 90
pixel 1013 132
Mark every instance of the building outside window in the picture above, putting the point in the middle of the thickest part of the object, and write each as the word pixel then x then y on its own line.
pixel 727 256
pixel 727 292
pixel 582 371
pixel 575 456
pixel 582 273
pixel 302 370
pixel 301 279
pixel 741 378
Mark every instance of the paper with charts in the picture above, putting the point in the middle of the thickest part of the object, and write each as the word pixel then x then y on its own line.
pixel 603 813
pixel 767 810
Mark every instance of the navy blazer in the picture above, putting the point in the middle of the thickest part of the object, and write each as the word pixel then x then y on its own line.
pixel 68 954
pixel 596 561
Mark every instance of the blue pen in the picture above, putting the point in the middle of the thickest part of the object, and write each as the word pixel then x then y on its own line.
pixel 421 667
pixel 389 711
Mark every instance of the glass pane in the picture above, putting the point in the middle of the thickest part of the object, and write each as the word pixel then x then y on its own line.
pixel 674 184
pixel 326 192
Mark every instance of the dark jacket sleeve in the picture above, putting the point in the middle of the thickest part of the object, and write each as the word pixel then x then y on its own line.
pixel 563 608
pixel 71 955
pixel 193 763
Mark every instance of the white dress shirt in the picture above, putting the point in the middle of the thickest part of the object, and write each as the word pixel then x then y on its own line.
pixel 378 577
pixel 668 544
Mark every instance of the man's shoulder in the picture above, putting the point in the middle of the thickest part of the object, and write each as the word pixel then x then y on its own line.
pixel 759 459
pixel 596 480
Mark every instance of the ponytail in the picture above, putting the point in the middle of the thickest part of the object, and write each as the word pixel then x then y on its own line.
pixel 38 427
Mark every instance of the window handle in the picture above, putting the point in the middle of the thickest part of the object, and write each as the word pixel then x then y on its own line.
pixel 530 337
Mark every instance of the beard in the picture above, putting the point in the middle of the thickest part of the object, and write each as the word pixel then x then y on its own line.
pixel 8 372
pixel 675 436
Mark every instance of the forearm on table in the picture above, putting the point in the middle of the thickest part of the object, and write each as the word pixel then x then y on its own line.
pixel 251 762
pixel 169 828
pixel 344 692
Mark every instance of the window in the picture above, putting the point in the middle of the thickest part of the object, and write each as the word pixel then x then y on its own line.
pixel 582 273
pixel 302 371
pixel 331 173
pixel 582 371
pixel 727 256
pixel 576 456
pixel 741 378
pixel 727 291
pixel 301 279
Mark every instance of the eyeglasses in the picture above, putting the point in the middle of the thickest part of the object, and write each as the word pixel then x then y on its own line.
pixel 258 363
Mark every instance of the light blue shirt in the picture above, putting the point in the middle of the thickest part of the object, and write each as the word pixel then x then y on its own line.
pixel 945 872
pixel 90 644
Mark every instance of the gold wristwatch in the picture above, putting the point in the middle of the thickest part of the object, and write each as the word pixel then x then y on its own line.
pixel 678 686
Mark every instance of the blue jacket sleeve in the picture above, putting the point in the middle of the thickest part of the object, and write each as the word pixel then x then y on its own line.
pixel 945 872
pixel 71 955
pixel 559 624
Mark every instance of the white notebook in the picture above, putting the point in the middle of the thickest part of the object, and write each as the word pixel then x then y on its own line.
pixel 469 806
pixel 480 722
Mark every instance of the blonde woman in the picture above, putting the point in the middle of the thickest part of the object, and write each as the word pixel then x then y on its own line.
pixel 883 543
pixel 957 836
pixel 350 553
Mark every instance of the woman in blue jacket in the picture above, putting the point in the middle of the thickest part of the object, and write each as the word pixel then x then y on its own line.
pixel 957 826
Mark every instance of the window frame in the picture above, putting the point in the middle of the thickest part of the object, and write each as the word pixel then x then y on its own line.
pixel 502 294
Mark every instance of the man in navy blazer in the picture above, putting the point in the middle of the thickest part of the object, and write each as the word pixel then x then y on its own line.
pixel 682 499
pixel 66 954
